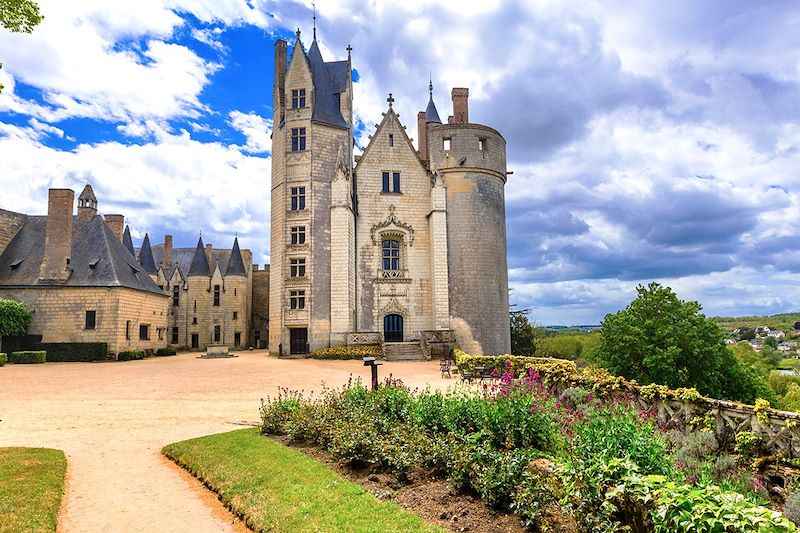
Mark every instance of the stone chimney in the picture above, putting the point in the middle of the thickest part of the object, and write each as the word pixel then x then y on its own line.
pixel 58 237
pixel 209 249
pixel 117 224
pixel 422 135
pixel 280 75
pixel 166 260
pixel 460 97
pixel 87 204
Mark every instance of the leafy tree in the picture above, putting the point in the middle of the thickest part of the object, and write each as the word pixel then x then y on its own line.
pixel 19 16
pixel 524 335
pixel 747 334
pixel 797 325
pixel 755 360
pixel 659 338
pixel 772 342
pixel 14 318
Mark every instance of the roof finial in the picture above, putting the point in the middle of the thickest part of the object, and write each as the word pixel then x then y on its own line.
pixel 430 85
pixel 349 49
pixel 314 6
pixel 390 100
pixel 298 34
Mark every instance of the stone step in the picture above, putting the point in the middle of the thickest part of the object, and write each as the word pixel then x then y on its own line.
pixel 403 351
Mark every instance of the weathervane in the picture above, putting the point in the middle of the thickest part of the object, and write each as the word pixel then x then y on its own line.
pixel 390 100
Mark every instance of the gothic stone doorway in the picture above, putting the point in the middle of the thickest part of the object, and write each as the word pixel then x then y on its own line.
pixel 393 328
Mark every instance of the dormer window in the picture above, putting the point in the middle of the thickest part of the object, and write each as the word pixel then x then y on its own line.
pixel 298 98
pixel 391 182
pixel 15 265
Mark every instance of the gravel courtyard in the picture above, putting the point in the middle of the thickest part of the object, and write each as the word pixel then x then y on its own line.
pixel 112 419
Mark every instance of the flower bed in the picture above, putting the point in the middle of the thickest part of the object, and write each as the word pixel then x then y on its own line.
pixel 524 448
pixel 347 352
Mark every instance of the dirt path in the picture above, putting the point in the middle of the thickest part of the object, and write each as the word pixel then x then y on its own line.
pixel 112 419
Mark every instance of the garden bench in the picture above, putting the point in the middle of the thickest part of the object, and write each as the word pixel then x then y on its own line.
pixel 444 367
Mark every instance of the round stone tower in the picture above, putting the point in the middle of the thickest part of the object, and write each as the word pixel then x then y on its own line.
pixel 471 158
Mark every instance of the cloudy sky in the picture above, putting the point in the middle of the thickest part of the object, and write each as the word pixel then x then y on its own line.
pixel 649 141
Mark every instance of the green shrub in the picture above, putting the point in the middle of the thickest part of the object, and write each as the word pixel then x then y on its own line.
pixel 73 351
pixel 344 352
pixel 167 350
pixel 3 359
pixel 28 357
pixel 131 355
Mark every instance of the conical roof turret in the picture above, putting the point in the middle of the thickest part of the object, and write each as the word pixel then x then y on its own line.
pixel 236 264
pixel 199 266
pixel 431 115
pixel 127 241
pixel 146 256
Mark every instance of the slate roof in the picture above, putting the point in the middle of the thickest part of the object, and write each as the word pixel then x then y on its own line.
pixel 146 256
pixel 127 241
pixel 329 80
pixel 88 194
pixel 235 264
pixel 431 115
pixel 98 258
pixel 199 264
pixel 182 258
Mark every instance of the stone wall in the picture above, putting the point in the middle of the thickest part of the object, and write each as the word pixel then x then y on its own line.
pixel 400 216
pixel 259 317
pixel 59 315
pixel 10 223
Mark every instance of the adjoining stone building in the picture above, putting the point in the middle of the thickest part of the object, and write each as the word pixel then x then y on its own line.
pixel 399 245
pixel 211 293
pixel 78 278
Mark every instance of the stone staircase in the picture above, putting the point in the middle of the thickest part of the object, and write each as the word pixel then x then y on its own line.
pixel 403 351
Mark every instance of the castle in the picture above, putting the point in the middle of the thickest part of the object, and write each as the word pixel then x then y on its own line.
pixel 399 245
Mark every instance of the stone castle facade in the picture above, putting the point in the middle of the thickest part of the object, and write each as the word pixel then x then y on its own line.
pixel 400 244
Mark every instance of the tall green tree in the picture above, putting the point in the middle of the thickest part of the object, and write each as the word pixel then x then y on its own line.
pixel 19 16
pixel 524 335
pixel 14 318
pixel 659 338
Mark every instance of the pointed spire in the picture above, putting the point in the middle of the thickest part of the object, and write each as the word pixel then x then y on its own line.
pixel 314 6
pixel 236 263
pixel 431 115
pixel 127 241
pixel 199 266
pixel 146 256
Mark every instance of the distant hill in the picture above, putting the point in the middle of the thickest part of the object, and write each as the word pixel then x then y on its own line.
pixel 784 322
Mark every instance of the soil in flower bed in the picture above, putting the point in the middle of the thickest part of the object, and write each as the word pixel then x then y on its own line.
pixel 433 499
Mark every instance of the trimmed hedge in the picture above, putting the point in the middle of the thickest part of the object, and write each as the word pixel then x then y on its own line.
pixel 132 355
pixel 74 351
pixel 168 350
pixel 24 358
pixel 347 352
pixel 3 359
pixel 21 343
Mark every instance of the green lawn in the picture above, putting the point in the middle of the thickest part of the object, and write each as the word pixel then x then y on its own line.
pixel 276 488
pixel 31 486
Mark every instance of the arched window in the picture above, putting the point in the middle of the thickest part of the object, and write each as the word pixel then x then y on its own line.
pixel 391 254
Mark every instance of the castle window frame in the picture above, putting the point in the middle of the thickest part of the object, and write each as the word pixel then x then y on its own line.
pixel 91 320
pixel 482 144
pixel 217 291
pixel 128 330
pixel 237 338
pixel 390 253
pixel 298 98
pixel 298 235
pixel 297 299
pixel 447 143
pixel 297 267
pixel 390 182
pixel 144 332
pixel 217 333
pixel 298 139
pixel 391 140
pixel 235 315
pixel 298 198
pixel 175 335
pixel 176 296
